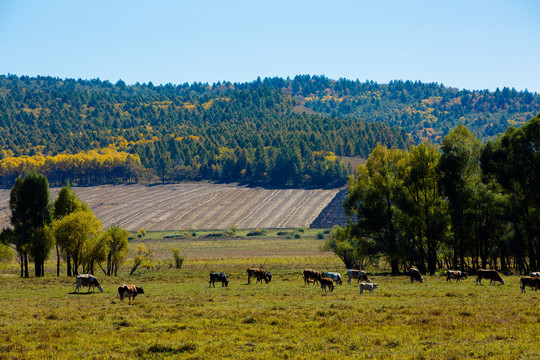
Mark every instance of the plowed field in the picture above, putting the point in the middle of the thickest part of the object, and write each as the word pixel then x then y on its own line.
pixel 196 206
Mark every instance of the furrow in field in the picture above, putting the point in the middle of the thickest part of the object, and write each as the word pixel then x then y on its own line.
pixel 214 213
pixel 235 201
pixel 281 213
pixel 266 208
pixel 250 219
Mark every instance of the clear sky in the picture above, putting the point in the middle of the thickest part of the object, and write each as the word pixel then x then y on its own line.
pixel 471 44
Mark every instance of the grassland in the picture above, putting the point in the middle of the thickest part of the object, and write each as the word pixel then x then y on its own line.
pixel 181 317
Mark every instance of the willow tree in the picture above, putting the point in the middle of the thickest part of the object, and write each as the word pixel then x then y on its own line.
pixel 65 204
pixel 79 234
pixel 116 240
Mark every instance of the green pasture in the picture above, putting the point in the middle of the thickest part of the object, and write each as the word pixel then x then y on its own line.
pixel 181 317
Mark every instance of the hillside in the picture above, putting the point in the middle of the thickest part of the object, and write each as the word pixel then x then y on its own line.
pixel 195 206
pixel 285 133
pixel 247 133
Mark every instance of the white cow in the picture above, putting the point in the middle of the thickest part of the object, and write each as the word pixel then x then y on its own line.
pixel 368 286
pixel 334 276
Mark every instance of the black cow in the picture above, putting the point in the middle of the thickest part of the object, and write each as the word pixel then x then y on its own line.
pixel 221 277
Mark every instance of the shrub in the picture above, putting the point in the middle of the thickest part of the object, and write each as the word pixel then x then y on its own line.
pixel 302 230
pixel 297 236
pixel 178 258
pixel 141 233
pixel 320 235
pixel 231 231
pixel 6 254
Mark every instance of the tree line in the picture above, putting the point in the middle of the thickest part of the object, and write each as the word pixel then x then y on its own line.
pixel 461 205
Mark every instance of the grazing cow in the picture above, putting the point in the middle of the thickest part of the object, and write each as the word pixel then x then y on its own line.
pixel 415 275
pixel 334 276
pixel 327 282
pixel 357 274
pixel 221 277
pixel 492 275
pixel 455 274
pixel 533 282
pixel 257 273
pixel 87 280
pixel 369 287
pixel 268 275
pixel 535 274
pixel 130 290
pixel 311 275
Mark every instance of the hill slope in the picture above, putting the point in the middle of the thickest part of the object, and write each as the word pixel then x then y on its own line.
pixel 196 206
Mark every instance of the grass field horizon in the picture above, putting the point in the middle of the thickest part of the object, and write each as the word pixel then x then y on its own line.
pixel 179 316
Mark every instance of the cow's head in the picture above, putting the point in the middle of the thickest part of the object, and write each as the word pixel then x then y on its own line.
pixel 139 290
pixel 100 288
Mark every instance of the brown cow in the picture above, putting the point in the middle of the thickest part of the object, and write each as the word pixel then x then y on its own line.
pixel 357 274
pixel 311 275
pixel 531 281
pixel 130 290
pixel 455 274
pixel 326 282
pixel 257 273
pixel 87 280
pixel 415 275
pixel 492 275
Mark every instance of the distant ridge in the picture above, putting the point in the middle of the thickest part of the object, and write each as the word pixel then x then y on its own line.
pixel 333 213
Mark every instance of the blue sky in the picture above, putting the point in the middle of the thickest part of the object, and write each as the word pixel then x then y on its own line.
pixel 465 44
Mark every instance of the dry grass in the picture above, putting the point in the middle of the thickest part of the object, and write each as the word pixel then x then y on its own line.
pixel 180 317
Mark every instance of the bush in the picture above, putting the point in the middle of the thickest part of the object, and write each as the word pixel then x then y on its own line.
pixel 297 236
pixel 141 233
pixel 302 230
pixel 320 235
pixel 178 258
pixel 231 231
pixel 6 254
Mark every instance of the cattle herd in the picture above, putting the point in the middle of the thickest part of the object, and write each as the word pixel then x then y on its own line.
pixel 327 280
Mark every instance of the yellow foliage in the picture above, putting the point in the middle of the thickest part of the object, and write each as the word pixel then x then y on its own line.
pixel 105 158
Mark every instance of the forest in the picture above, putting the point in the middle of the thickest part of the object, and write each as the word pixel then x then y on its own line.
pixel 458 205
pixel 273 132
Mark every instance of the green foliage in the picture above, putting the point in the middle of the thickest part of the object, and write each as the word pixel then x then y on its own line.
pixel 31 212
pixel 116 241
pixel 355 252
pixel 231 231
pixel 178 258
pixel 243 133
pixel 320 235
pixel 78 236
pixel 6 254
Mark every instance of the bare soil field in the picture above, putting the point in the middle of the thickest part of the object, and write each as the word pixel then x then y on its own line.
pixel 195 206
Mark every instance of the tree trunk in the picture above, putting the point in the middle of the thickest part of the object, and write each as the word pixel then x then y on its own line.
pixel 57 261
pixel 26 265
